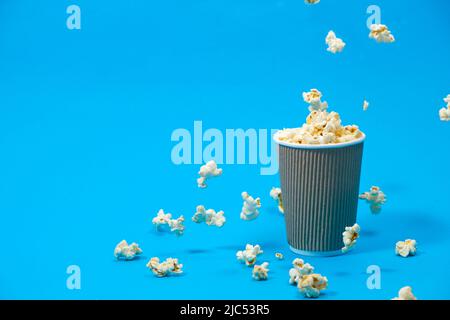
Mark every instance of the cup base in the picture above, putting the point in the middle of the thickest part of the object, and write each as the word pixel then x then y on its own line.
pixel 316 253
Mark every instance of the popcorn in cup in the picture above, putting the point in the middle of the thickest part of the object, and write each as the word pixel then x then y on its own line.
pixel 319 167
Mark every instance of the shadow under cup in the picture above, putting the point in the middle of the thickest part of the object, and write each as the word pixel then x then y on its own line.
pixel 320 187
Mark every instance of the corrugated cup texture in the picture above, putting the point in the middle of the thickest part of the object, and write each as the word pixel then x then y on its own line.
pixel 320 194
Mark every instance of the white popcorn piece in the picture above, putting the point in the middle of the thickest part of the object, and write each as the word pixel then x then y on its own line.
pixel 250 208
pixel 208 170
pixel 162 219
pixel 375 197
pixel 312 1
pixel 162 269
pixel 279 256
pixel 215 219
pixel 381 33
pixel 249 254
pixel 158 269
pixel 300 269
pixel 275 193
pixel 127 252
pixel 405 293
pixel 210 217
pixel 365 105
pixel 260 272
pixel 406 248
pixel 349 237
pixel 174 266
pixel 334 44
pixel 312 284
pixel 444 113
pixel 313 97
pixel 177 226
pixel 321 127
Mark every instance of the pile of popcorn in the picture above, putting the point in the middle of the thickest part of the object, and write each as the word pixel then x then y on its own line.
pixel 444 113
pixel 321 127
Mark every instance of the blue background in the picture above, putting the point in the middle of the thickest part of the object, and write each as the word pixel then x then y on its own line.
pixel 86 119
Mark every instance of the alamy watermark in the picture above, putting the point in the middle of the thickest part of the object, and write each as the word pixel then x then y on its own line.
pixel 73 21
pixel 375 15
pixel 374 280
pixel 230 146
pixel 73 281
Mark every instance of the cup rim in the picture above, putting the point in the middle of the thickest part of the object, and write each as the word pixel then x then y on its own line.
pixel 318 146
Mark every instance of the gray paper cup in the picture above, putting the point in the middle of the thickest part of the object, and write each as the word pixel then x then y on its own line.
pixel 320 186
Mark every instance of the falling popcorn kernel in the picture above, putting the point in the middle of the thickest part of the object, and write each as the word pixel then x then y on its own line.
pixel 406 248
pixel 210 217
pixel 176 225
pixel 365 105
pixel 208 170
pixel 405 293
pixel 275 194
pixel 334 44
pixel 312 284
pixel 314 98
pixel 260 272
pixel 381 33
pixel 250 208
pixel 375 197
pixel 127 252
pixel 168 267
pixel 349 237
pixel 249 254
pixel 279 256
pixel 163 220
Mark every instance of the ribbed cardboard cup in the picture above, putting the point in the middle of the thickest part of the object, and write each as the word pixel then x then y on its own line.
pixel 320 186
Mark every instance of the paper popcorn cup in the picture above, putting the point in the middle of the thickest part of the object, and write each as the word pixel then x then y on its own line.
pixel 320 186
